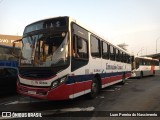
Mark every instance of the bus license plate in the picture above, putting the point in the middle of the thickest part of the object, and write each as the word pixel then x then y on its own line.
pixel 31 92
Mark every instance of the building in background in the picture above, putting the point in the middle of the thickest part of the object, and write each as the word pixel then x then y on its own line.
pixel 7 40
pixel 6 50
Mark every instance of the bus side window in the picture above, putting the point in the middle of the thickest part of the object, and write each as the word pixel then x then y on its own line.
pixel 95 47
pixel 80 48
pixel 74 51
pixel 125 58
pixel 137 62
pixel 105 50
pixel 112 52
pixel 80 55
pixel 122 57
pixel 117 55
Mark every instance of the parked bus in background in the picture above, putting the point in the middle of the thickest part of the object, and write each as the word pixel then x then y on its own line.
pixel 144 66
pixel 6 57
pixel 60 59
pixel 8 70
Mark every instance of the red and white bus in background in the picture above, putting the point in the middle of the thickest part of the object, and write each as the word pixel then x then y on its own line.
pixel 144 66
pixel 60 59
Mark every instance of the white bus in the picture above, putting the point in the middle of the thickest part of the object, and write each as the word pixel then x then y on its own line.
pixel 61 59
pixel 144 66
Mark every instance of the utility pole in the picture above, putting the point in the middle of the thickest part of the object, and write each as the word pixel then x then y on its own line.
pixel 140 51
pixel 156 44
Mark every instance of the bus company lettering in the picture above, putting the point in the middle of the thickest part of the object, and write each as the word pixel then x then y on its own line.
pixel 113 67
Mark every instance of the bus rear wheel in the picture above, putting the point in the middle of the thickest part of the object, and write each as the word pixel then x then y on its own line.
pixel 123 79
pixel 141 75
pixel 94 88
pixel 154 72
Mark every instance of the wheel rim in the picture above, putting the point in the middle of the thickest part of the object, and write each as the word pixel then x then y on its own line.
pixel 94 87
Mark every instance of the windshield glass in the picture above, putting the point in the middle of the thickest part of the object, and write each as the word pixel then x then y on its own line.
pixel 45 50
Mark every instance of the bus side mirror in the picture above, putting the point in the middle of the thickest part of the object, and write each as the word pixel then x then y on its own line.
pixel 79 43
pixel 15 49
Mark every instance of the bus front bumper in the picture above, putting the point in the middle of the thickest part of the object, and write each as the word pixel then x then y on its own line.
pixel 60 93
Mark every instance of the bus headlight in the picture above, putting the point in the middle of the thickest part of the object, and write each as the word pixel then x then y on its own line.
pixel 58 82
pixel 54 84
pixel 62 80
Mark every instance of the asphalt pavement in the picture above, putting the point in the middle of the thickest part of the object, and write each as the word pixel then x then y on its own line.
pixel 136 96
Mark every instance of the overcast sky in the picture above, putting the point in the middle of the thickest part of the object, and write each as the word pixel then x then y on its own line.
pixel 133 22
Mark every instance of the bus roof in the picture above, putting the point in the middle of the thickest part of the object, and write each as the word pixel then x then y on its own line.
pixel 99 36
pixel 147 58
pixel 91 31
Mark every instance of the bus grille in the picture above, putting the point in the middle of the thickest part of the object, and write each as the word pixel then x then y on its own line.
pixel 36 73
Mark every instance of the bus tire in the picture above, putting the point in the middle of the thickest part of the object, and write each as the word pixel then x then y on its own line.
pixel 141 75
pixel 94 88
pixel 123 79
pixel 154 72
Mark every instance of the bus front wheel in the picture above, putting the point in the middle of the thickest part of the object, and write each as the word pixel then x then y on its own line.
pixel 94 88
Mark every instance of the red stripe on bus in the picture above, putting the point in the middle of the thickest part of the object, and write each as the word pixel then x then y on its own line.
pixel 111 79
pixel 64 91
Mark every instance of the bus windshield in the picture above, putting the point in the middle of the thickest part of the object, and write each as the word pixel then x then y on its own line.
pixel 45 50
